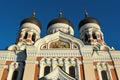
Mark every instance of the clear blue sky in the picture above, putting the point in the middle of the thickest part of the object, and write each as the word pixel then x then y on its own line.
pixel 13 11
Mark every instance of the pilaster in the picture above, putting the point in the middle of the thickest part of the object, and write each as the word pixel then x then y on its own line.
pixel 88 68
pixel 29 71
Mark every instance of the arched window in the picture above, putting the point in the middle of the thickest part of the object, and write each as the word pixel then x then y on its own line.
pixel 86 37
pixel 46 70
pixel 15 75
pixel 94 36
pixel 26 34
pixel 33 37
pixel 72 71
pixel 104 75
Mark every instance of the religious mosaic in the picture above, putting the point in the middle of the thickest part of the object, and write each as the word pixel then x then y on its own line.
pixel 59 44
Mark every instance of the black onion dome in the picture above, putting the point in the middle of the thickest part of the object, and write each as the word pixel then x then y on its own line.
pixel 60 20
pixel 88 20
pixel 31 20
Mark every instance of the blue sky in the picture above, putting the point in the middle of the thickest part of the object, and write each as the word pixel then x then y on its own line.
pixel 12 12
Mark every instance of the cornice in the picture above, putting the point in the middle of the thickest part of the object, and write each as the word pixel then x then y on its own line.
pixel 12 55
pixel 54 53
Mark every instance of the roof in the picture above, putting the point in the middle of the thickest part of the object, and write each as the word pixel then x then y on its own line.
pixel 88 20
pixel 60 20
pixel 31 20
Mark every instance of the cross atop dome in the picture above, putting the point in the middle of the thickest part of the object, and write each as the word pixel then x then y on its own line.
pixel 34 14
pixel 86 14
pixel 60 13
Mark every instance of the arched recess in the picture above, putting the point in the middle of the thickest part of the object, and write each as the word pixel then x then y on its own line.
pixel 26 34
pixel 15 75
pixel 44 46
pixel 16 70
pixel 94 35
pixel 33 37
pixel 57 37
pixel 46 70
pixel 104 75
pixel 72 71
pixel 74 45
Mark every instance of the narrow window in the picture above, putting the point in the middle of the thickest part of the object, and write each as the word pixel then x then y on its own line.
pixel 15 75
pixel 26 34
pixel 86 37
pixel 33 37
pixel 94 36
pixel 46 70
pixel 101 37
pixel 72 71
pixel 104 75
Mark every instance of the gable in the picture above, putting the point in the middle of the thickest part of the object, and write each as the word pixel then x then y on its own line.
pixel 59 40
pixel 57 74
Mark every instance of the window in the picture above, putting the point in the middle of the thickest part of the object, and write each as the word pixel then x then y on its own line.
pixel 46 70
pixel 104 75
pixel 33 37
pixel 101 37
pixel 72 71
pixel 26 34
pixel 15 75
pixel 86 37
pixel 94 36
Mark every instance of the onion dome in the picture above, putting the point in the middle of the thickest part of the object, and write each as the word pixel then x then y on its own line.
pixel 88 19
pixel 60 19
pixel 31 20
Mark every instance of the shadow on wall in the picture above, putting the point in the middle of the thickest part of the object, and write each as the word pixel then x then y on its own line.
pixel 43 78
pixel 21 57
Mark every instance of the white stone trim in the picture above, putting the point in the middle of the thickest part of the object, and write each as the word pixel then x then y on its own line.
pixel 31 25
pixel 60 27
pixel 12 55
pixel 58 35
pixel 54 53
pixel 15 66
pixel 54 62
pixel 89 25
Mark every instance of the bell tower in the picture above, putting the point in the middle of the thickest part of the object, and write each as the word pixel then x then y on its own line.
pixel 60 24
pixel 90 32
pixel 30 29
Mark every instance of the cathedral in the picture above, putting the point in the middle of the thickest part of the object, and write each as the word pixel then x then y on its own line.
pixel 59 55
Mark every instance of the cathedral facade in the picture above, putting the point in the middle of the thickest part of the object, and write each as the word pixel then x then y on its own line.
pixel 60 55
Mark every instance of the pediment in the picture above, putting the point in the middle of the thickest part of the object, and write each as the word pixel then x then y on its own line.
pixel 57 74
pixel 59 40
